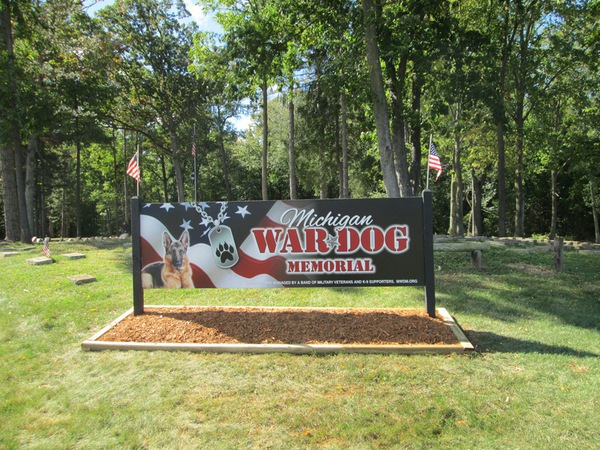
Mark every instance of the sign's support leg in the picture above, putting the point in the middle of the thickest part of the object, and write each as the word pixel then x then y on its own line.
pixel 428 251
pixel 136 249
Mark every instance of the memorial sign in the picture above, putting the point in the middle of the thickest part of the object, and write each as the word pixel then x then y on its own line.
pixel 281 244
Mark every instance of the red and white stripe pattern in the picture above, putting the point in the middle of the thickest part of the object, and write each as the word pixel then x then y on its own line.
pixel 253 270
pixel 434 160
pixel 133 168
pixel 46 249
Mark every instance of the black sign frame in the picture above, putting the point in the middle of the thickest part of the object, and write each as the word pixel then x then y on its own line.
pixel 393 250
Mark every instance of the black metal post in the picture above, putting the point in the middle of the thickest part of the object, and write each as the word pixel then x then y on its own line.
pixel 428 252
pixel 136 250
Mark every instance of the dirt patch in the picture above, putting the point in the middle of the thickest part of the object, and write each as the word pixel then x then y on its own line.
pixel 244 325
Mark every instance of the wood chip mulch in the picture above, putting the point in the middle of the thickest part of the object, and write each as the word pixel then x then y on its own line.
pixel 246 325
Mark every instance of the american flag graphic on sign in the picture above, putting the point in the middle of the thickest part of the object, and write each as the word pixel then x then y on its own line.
pixel 252 270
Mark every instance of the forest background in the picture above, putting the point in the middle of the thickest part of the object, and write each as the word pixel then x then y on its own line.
pixel 344 97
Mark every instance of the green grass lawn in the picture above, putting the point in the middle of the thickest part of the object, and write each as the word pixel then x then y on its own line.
pixel 535 382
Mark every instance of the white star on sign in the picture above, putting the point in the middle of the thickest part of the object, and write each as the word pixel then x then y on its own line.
pixel 167 206
pixel 185 224
pixel 205 221
pixel 332 241
pixel 243 211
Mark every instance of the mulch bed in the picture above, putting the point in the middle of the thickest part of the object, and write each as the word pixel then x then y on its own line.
pixel 249 325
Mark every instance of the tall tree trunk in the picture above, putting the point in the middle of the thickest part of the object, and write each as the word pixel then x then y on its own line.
pixel 457 196
pixel 165 178
pixel 225 167
pixel 30 182
pixel 338 151
pixel 177 167
pixel 43 215
pixel 415 165
pixel 292 149
pixel 380 110
pixel 520 117
pixel 501 180
pixel 265 143
pixel 64 223
pixel 500 116
pixel 125 178
pixel 23 222
pixel 9 193
pixel 324 173
pixel 224 159
pixel 554 193
pixel 78 185
pixel 519 194
pixel 398 83
pixel 595 210
pixel 116 213
pixel 20 212
pixel 324 158
pixel 345 190
pixel 476 216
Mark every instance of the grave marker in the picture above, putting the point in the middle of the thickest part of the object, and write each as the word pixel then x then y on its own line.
pixel 74 255
pixel 40 261
pixel 82 279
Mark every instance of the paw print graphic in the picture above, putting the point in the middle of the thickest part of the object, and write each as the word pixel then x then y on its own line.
pixel 224 252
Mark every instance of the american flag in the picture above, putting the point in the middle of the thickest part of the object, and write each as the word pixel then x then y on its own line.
pixel 194 148
pixel 133 168
pixel 434 160
pixel 46 249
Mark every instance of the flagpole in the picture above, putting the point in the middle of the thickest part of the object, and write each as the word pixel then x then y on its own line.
pixel 429 156
pixel 137 144
pixel 125 158
pixel 195 173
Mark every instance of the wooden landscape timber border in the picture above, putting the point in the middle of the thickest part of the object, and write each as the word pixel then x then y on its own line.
pixel 475 248
pixel 463 345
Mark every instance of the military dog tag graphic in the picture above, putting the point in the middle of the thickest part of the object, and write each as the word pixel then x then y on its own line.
pixel 223 246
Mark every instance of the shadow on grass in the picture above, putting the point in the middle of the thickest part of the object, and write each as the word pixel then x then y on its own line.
pixel 514 287
pixel 107 244
pixel 487 342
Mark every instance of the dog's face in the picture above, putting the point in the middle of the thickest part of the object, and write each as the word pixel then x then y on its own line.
pixel 176 251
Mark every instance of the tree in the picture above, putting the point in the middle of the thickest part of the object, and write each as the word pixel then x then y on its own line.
pixel 458 95
pixel 76 66
pixel 211 63
pixel 255 37
pixel 15 205
pixel 153 69
pixel 380 109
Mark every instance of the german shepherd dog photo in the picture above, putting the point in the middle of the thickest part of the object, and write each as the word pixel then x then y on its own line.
pixel 175 270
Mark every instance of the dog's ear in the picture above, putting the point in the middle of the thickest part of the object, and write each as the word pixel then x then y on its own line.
pixel 185 239
pixel 167 241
